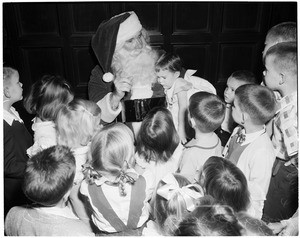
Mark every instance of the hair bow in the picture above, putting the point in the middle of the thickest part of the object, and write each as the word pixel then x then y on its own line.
pixel 171 188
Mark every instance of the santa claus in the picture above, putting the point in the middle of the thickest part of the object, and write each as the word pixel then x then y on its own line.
pixel 126 70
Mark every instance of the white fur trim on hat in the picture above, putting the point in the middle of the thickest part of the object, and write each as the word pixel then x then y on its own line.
pixel 108 77
pixel 129 28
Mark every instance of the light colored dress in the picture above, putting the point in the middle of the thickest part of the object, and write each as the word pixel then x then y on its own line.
pixel 44 136
pixel 189 83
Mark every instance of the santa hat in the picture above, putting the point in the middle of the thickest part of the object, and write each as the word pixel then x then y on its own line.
pixel 111 33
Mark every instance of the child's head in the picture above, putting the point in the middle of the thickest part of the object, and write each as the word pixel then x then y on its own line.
pixel 225 182
pixel 283 32
pixel 255 104
pixel 12 87
pixel 253 226
pixel 157 138
pixel 174 198
pixel 77 122
pixel 281 67
pixel 206 111
pixel 236 79
pixel 111 153
pixel 47 96
pixel 168 68
pixel 49 175
pixel 210 218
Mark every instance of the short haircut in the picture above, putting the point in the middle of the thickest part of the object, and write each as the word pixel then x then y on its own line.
pixel 209 218
pixel 283 32
pixel 77 122
pixel 257 101
pixel 8 72
pixel 49 175
pixel 111 152
pixel 47 96
pixel 208 111
pixel 168 61
pixel 244 76
pixel 157 138
pixel 225 182
pixel 165 211
pixel 285 57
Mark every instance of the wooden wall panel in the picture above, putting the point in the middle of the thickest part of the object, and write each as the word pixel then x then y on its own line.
pixel 41 61
pixel 195 57
pixel 42 20
pixel 233 53
pixel 215 38
pixel 241 17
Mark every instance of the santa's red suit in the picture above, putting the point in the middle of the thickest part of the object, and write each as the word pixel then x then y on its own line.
pixel 122 52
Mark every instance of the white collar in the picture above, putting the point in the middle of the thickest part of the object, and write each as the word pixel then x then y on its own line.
pixel 9 118
pixel 252 136
pixel 63 212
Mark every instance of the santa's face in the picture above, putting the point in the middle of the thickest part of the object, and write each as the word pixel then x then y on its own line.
pixel 137 42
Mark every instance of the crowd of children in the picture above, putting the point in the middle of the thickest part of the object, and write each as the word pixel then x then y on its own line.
pixel 238 175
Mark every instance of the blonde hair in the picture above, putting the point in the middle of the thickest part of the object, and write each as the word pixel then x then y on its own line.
pixel 77 122
pixel 8 72
pixel 111 152
pixel 166 212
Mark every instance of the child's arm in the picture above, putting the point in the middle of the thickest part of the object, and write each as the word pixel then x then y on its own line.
pixel 182 105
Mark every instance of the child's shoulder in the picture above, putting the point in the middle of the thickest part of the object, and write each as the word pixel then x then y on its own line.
pixel 182 85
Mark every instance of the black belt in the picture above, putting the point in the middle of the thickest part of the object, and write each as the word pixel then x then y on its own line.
pixel 136 110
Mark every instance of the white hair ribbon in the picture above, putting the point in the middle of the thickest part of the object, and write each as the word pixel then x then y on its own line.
pixel 171 187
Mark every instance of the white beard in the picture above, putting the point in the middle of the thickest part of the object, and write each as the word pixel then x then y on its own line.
pixel 138 65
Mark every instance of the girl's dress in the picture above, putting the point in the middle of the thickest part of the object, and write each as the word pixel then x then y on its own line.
pixel 159 169
pixel 44 136
pixel 113 213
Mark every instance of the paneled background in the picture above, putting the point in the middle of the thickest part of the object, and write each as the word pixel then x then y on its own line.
pixel 216 38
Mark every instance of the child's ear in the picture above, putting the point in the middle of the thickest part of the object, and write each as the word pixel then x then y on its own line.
pixel 245 117
pixel 176 74
pixel 283 78
pixel 193 123
pixel 6 92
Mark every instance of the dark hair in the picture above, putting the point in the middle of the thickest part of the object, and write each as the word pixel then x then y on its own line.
pixel 285 57
pixel 244 76
pixel 168 61
pixel 253 225
pixel 257 101
pixel 285 31
pixel 209 218
pixel 208 111
pixel 157 138
pixel 225 182
pixel 47 96
pixel 49 175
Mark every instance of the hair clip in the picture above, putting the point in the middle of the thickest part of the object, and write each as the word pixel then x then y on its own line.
pixel 171 187
pixel 90 173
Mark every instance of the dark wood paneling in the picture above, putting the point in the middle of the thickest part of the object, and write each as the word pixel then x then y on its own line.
pixel 42 20
pixel 215 38
pixel 195 57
